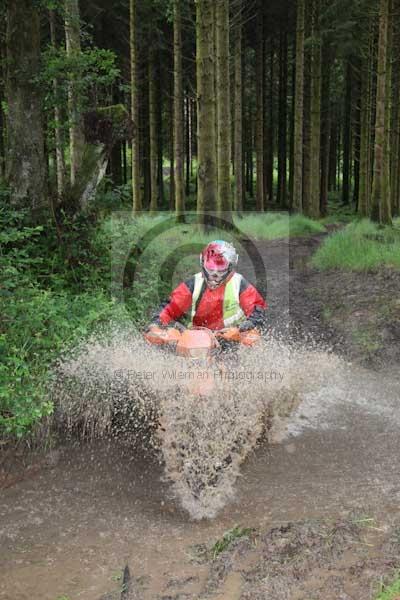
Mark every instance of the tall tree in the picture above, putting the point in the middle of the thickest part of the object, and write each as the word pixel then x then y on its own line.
pixel 365 133
pixel 381 208
pixel 347 131
pixel 327 57
pixel 136 191
pixel 206 155
pixel 315 116
pixel 178 113
pixel 259 133
pixel 25 158
pixel 297 202
pixel 238 125
pixel 2 92
pixel 153 129
pixel 270 147
pixel 59 142
pixel 307 109
pixel 73 47
pixel 223 108
pixel 395 115
pixel 283 112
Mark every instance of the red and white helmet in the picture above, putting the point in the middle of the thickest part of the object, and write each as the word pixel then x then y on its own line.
pixel 217 261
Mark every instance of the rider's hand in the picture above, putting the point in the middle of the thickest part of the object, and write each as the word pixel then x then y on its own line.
pixel 246 325
pixel 154 325
pixel 177 325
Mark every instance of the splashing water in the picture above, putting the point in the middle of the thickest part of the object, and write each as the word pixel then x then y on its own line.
pixel 202 420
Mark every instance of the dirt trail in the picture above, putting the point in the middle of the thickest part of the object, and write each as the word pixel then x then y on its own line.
pixel 68 530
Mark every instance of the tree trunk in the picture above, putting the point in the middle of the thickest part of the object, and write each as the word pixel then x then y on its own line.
pixel 188 145
pixel 178 113
pixel 136 191
pixel 365 134
pixel 73 47
pixel 332 155
pixel 124 163
pixel 172 150
pixel 307 113
pixel 259 133
pixel 239 188
pixel 223 110
pixel 144 136
pixel 271 129
pixel 357 131
pixel 395 117
pixel 25 158
pixel 282 133
pixel 347 133
pixel 327 57
pixel 206 197
pixel 2 99
pixel 59 142
pixel 291 125
pixel 266 141
pixel 381 209
pixel 299 109
pixel 215 60
pixel 153 134
pixel 160 136
pixel 315 136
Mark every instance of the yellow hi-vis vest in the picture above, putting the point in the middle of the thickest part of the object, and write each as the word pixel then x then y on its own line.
pixel 232 311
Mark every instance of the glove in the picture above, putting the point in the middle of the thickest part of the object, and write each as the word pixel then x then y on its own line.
pixel 246 325
pixel 178 326
pixel 153 324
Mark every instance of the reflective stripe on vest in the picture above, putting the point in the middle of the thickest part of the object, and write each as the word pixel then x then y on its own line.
pixel 232 312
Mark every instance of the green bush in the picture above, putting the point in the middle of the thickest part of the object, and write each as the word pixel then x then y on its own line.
pixel 40 315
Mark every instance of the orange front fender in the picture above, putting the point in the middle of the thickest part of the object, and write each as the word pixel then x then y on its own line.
pixel 158 336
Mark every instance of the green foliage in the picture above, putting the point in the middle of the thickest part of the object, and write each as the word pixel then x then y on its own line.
pixel 229 537
pixel 93 72
pixel 361 246
pixel 43 311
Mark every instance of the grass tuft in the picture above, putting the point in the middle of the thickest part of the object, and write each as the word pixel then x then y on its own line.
pixel 390 592
pixel 360 246
pixel 274 225
pixel 229 537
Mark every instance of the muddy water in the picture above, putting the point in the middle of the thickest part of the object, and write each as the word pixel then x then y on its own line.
pixel 69 530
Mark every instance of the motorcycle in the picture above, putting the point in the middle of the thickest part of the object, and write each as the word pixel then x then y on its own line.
pixel 208 426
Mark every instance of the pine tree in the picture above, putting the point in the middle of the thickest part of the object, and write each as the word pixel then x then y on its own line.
pixel 238 125
pixel 73 46
pixel 297 203
pixel 178 113
pixel 207 174
pixel 381 209
pixel 135 114
pixel 223 108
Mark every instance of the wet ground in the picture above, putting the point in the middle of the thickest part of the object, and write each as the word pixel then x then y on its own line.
pixel 71 523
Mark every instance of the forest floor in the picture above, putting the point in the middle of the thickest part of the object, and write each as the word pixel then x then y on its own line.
pixel 323 501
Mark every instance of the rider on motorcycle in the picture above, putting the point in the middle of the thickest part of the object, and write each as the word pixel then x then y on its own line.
pixel 217 297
